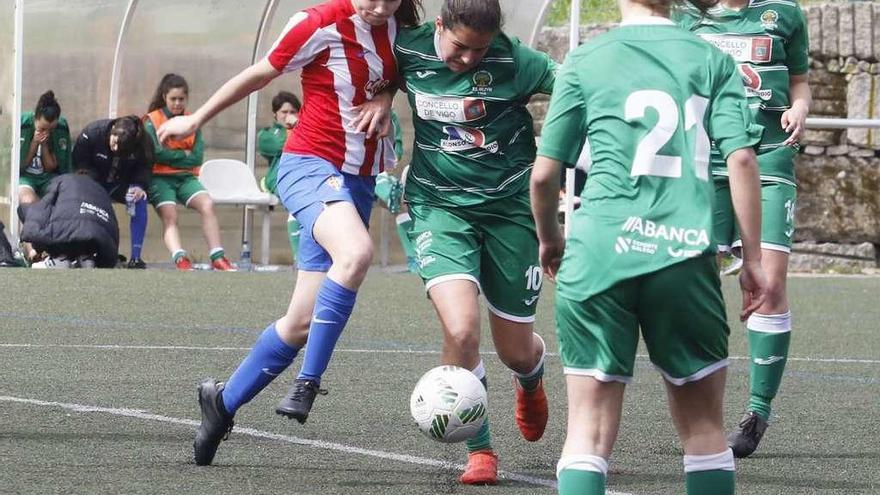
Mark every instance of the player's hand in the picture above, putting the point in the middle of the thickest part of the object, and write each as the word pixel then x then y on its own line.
pixel 177 128
pixel 550 253
pixel 40 137
pixel 753 283
pixel 793 122
pixel 135 194
pixel 373 117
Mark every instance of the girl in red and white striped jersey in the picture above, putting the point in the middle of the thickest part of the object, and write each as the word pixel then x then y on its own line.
pixel 326 178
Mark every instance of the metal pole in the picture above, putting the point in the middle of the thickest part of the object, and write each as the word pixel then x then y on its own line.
pixel 113 110
pixel 16 119
pixel 828 123
pixel 574 35
pixel 247 214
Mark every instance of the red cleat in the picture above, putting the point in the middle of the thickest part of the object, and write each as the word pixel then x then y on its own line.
pixel 482 469
pixel 222 264
pixel 184 264
pixel 531 411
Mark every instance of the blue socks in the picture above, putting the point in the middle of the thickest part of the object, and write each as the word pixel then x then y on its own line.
pixel 269 357
pixel 332 310
pixel 138 226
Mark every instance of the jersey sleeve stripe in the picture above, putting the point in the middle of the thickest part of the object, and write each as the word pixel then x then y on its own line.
pixel 301 28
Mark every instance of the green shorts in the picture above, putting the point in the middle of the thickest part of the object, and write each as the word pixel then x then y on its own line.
pixel 493 245
pixel 778 203
pixel 39 183
pixel 173 189
pixel 682 318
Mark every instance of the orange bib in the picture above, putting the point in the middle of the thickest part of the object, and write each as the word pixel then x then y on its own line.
pixel 157 117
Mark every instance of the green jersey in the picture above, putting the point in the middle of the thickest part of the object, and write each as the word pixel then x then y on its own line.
pixel 662 96
pixel 474 141
pixel 270 142
pixel 768 41
pixel 59 144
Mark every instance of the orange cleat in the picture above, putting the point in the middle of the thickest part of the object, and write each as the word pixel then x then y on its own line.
pixel 222 264
pixel 531 411
pixel 482 469
pixel 184 264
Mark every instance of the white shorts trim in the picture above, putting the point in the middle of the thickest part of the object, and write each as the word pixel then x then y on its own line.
pixel 597 374
pixel 699 375
pixel 452 276
pixel 403 218
pixel 27 186
pixel 509 317
pixel 188 201
pixel 767 245
pixel 163 203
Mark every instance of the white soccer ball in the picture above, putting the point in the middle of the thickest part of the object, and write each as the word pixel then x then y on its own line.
pixel 449 404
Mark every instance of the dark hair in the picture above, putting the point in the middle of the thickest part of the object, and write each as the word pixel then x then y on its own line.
pixel 409 13
pixel 48 107
pixel 483 16
pixel 168 82
pixel 132 137
pixel 285 97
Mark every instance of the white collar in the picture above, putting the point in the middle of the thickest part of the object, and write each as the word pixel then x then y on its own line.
pixel 647 20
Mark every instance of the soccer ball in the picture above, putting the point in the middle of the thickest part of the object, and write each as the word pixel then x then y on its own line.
pixel 449 404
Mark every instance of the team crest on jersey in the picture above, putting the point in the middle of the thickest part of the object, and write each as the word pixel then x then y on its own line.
pixel 482 82
pixel 769 18
pixel 752 82
pixel 465 138
pixel 62 143
pixel 334 183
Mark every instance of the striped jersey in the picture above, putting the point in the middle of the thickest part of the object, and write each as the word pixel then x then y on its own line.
pixel 345 62
pixel 768 41
pixel 474 138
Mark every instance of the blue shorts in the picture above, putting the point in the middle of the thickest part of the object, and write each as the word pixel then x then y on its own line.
pixel 306 185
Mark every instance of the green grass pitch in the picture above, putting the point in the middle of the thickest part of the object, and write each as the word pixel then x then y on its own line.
pixel 98 375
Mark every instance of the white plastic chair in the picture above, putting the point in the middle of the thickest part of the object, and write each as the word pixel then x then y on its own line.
pixel 231 182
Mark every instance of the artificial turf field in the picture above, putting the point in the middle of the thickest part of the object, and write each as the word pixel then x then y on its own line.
pixel 98 375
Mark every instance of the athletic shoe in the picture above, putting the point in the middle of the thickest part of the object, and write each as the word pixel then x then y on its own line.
pixel 731 266
pixel 52 263
pixel 184 264
pixel 86 261
pixel 136 264
pixel 745 438
pixel 298 401
pixel 482 468
pixel 222 264
pixel 531 411
pixel 216 422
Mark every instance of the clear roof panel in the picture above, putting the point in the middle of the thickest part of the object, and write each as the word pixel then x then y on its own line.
pixel 70 51
pixel 206 42
pixel 7 58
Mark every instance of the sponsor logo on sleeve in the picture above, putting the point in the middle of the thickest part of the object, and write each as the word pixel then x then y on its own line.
pixel 754 49
pixel 449 109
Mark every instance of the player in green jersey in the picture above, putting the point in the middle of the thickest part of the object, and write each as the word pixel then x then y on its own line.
pixel 768 41
pixel 467 190
pixel 640 256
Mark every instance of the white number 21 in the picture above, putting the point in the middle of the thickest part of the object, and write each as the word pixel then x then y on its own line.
pixel 647 160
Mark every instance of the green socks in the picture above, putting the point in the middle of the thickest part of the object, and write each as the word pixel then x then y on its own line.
pixel 217 253
pixel 581 475
pixel 483 440
pixel 769 338
pixel 529 381
pixel 711 474
pixel 293 235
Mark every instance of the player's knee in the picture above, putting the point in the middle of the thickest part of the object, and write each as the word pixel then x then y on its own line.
pixel 357 258
pixel 459 336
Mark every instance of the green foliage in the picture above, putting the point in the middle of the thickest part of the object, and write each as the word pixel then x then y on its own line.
pixel 591 11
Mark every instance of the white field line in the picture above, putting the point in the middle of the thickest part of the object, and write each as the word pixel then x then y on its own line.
pixel 348 449
pixel 366 351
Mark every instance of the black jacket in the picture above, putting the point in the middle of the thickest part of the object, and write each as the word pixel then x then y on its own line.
pixel 74 218
pixel 92 154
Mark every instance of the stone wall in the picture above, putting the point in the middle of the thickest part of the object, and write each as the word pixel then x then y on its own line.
pixel 838 171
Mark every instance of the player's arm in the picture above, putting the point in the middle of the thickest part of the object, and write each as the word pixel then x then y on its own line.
pixel 745 194
pixel 794 119
pixel 246 82
pixel 544 191
pixel 50 164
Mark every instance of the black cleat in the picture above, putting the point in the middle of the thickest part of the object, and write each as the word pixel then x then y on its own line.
pixel 137 264
pixel 216 422
pixel 745 439
pixel 298 401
